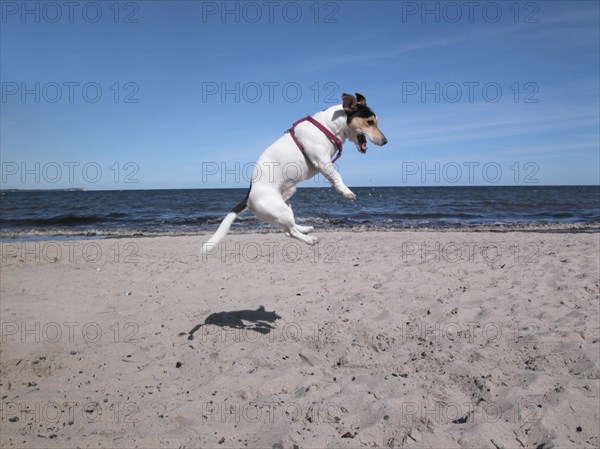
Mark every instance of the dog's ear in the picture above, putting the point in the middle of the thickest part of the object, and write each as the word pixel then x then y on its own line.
pixel 361 99
pixel 350 103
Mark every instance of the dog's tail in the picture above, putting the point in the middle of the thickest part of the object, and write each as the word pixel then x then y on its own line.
pixel 225 225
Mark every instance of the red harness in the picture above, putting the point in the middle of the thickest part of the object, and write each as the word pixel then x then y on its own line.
pixel 333 139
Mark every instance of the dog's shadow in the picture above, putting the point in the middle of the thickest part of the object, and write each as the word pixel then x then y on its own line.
pixel 258 320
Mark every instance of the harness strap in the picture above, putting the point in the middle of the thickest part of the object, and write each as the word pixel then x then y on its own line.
pixel 332 138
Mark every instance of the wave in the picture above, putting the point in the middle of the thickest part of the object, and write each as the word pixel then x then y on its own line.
pixel 117 218
pixel 64 220
pixel 39 234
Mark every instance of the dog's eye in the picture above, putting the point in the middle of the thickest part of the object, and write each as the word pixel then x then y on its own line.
pixel 370 122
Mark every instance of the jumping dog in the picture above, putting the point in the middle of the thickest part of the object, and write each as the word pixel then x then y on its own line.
pixel 305 149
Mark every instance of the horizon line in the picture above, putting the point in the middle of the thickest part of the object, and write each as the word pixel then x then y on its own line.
pixel 81 189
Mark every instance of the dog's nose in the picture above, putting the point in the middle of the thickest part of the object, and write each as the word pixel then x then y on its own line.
pixel 384 141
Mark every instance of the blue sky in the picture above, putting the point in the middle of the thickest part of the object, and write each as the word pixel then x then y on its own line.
pixel 100 97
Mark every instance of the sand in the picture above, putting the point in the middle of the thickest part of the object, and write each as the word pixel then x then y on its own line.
pixel 370 339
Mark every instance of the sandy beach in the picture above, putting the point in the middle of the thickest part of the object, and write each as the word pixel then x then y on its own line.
pixel 369 339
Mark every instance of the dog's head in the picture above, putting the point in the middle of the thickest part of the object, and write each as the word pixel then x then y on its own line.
pixel 362 122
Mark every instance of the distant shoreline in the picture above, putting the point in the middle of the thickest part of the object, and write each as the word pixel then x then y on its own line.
pixel 300 187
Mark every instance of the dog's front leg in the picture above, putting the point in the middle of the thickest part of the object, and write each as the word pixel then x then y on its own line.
pixel 333 176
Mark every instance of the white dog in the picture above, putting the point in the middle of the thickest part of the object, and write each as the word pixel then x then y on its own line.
pixel 305 149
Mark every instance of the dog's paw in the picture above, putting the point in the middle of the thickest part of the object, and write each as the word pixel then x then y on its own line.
pixel 349 195
pixel 305 229
pixel 312 240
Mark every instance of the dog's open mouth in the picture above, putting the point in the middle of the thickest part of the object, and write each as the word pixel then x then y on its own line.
pixel 361 143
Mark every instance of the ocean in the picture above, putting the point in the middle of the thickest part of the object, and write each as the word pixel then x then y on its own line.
pixel 42 215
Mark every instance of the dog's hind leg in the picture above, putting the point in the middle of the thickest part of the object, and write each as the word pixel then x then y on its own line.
pixel 287 196
pixel 304 229
pixel 272 208
pixel 296 233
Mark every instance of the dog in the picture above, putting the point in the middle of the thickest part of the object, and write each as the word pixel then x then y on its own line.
pixel 303 151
